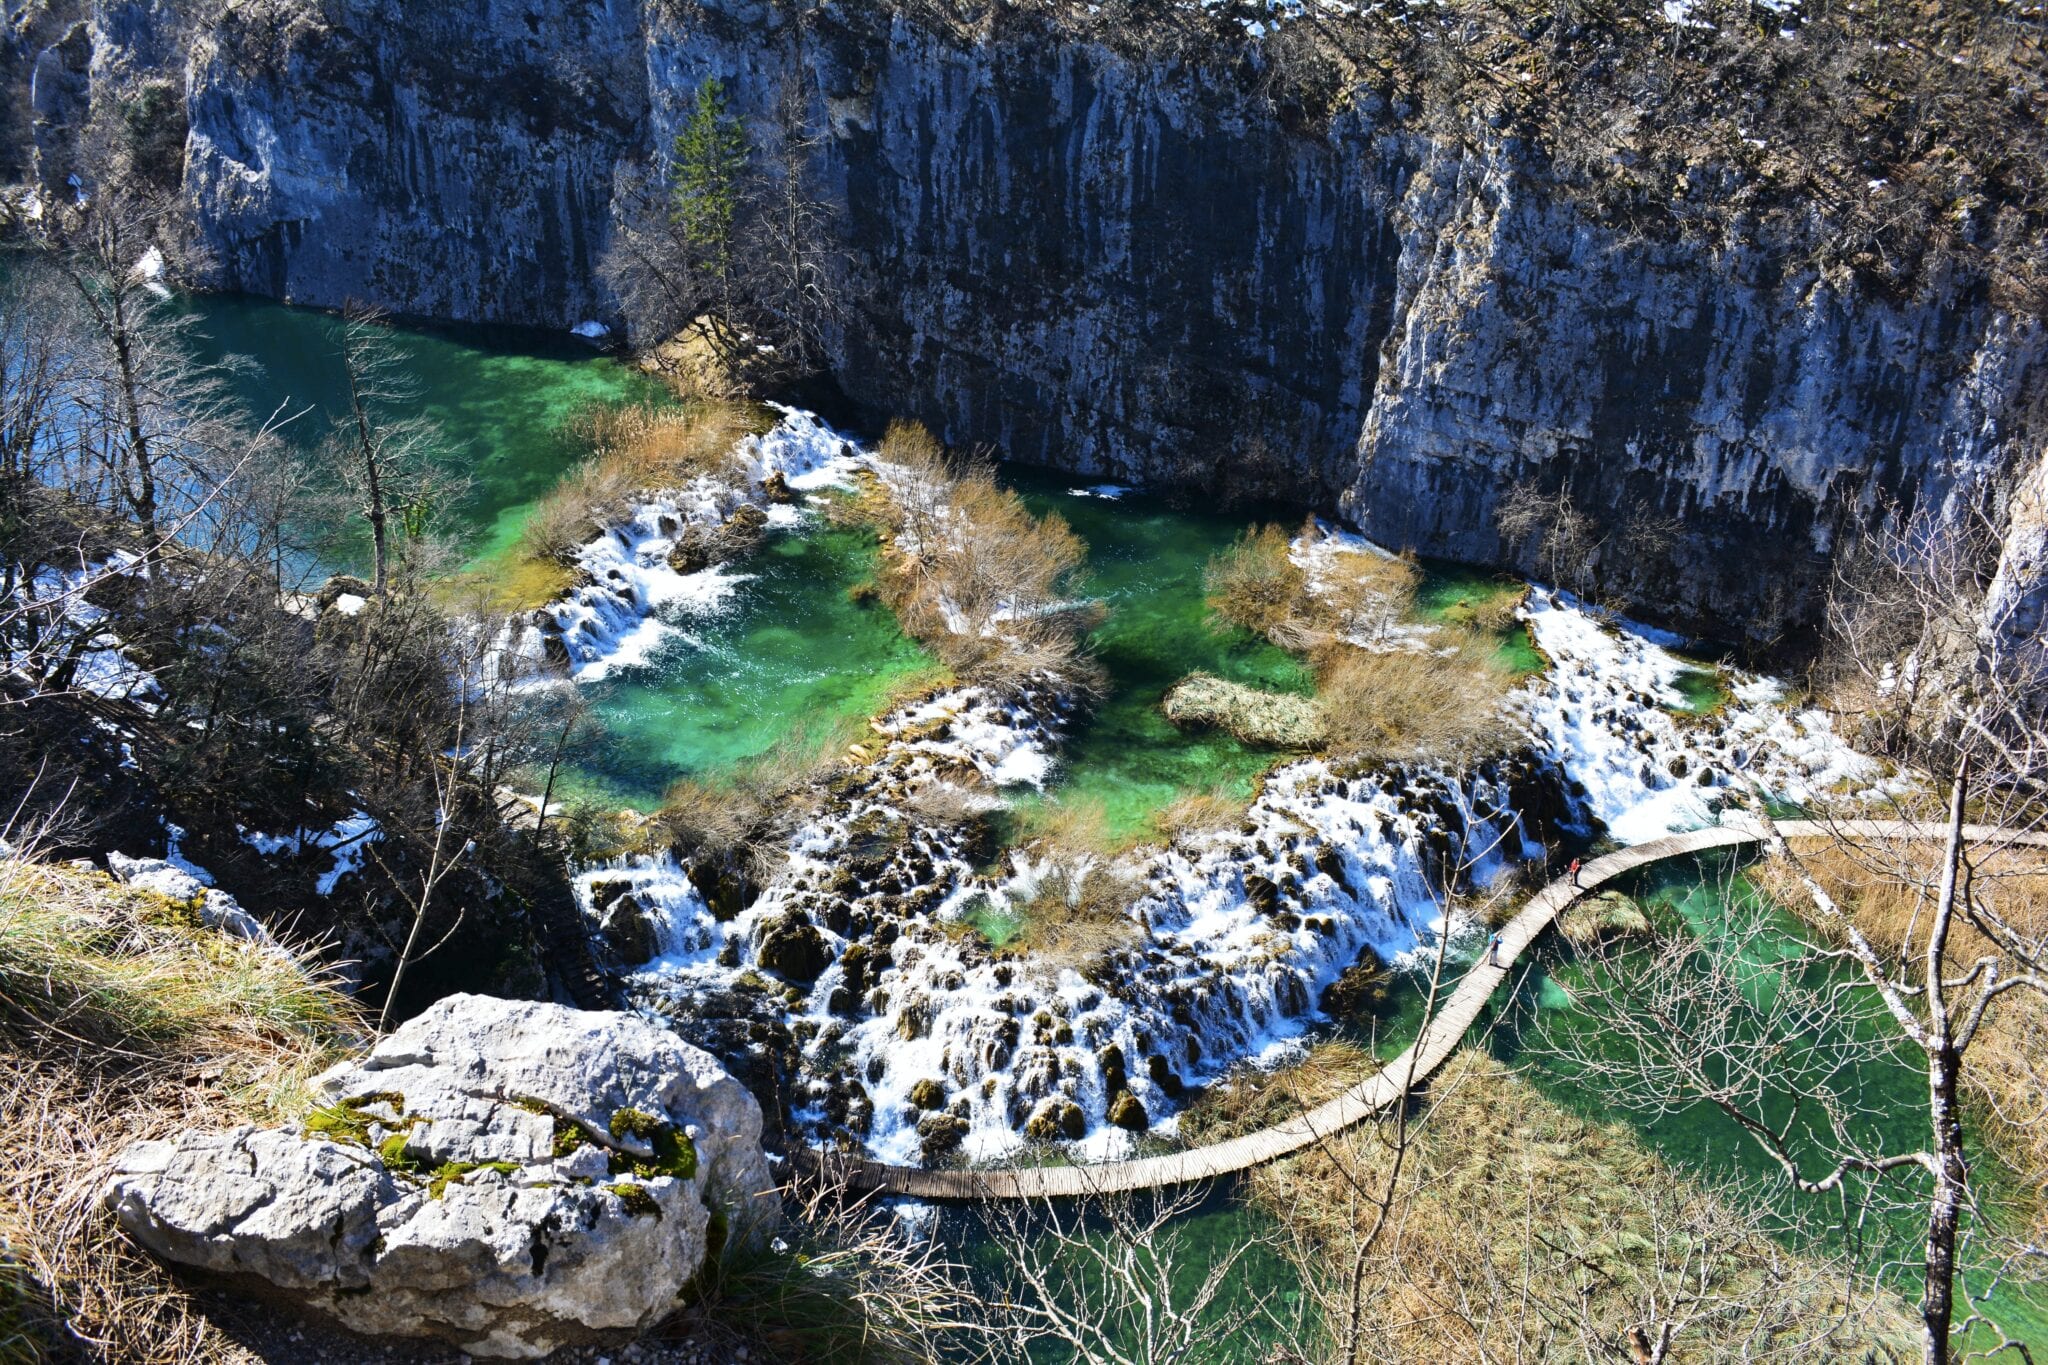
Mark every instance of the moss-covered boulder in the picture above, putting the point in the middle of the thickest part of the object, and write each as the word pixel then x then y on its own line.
pixel 940 1135
pixel 1276 720
pixel 1361 990
pixel 793 949
pixel 511 1178
pixel 1127 1111
pixel 1599 918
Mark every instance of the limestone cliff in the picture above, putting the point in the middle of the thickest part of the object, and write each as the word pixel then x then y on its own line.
pixel 1130 264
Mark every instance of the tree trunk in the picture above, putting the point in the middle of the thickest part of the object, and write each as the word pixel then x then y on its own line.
pixel 1944 1214
pixel 1944 1061
pixel 373 483
pixel 144 497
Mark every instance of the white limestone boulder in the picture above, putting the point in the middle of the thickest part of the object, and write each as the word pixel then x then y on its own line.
pixel 507 1176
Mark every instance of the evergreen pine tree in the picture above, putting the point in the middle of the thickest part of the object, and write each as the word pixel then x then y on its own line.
pixel 710 154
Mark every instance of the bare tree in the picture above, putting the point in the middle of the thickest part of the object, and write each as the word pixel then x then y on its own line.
pixel 727 236
pixel 791 263
pixel 1928 930
pixel 1561 536
pixel 1116 1282
pixel 384 460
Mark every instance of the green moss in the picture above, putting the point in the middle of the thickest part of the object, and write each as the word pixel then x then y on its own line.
pixel 345 1121
pixel 568 1137
pixel 638 1201
pixel 392 1151
pixel 716 1233
pixel 455 1172
pixel 674 1153
pixel 635 1123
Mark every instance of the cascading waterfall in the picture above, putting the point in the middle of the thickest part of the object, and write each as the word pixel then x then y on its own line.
pixel 921 1039
pixel 892 1024
pixel 613 618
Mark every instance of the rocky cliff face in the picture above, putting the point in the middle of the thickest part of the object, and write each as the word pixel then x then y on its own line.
pixel 1135 267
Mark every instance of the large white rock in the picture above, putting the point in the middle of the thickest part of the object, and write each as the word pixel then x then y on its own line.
pixel 382 1212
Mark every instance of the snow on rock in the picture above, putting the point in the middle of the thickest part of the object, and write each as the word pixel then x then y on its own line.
pixel 103 669
pixel 346 841
pixel 1605 710
pixel 149 270
pixel 181 881
pixel 1319 552
pixel 349 842
pixel 507 1176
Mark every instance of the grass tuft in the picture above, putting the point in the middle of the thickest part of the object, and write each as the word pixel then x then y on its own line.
pixel 121 1019
pixel 632 449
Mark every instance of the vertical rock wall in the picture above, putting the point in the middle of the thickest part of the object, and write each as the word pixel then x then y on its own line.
pixel 1131 267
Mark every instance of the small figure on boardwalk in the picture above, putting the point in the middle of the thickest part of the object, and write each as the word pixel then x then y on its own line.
pixel 1574 871
pixel 1493 951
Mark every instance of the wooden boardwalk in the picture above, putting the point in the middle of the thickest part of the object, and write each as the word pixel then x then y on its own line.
pixel 1440 1037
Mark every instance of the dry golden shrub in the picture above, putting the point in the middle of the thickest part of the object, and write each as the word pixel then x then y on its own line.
pixel 1249 1098
pixel 122 1019
pixel 1496 614
pixel 2005 1073
pixel 1201 813
pixel 632 449
pixel 1362 596
pixel 912 446
pixel 991 589
pixel 1518 1230
pixel 744 814
pixel 1079 912
pixel 1446 706
pixel 1255 585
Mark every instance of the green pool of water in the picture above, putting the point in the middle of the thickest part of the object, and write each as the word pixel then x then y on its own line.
pixel 500 396
pixel 1459 594
pixel 1262 1294
pixel 787 659
pixel 1890 1092
pixel 1705 691
pixel 1145 559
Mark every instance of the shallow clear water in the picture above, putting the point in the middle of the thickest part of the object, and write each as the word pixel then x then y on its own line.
pixel 501 396
pixel 1262 1285
pixel 787 657
pixel 1704 691
pixel 1697 1138
pixel 1456 594
pixel 1145 560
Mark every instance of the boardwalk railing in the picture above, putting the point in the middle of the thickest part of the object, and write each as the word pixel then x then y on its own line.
pixel 1440 1037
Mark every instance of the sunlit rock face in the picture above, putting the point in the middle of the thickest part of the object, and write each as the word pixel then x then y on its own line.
pixel 506 1176
pixel 1131 266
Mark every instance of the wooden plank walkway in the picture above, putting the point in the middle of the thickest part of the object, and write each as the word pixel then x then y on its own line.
pixel 1439 1039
